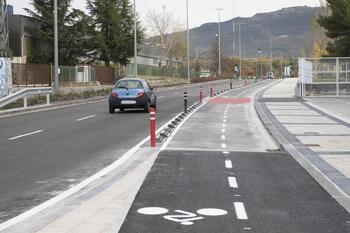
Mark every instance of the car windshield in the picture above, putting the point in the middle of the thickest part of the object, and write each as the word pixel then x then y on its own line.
pixel 129 84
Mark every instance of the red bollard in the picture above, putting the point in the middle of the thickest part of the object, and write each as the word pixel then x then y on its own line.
pixel 153 127
pixel 211 90
pixel 201 94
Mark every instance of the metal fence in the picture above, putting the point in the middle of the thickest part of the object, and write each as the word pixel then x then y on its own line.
pixel 37 75
pixel 30 75
pixel 325 76
pixel 146 70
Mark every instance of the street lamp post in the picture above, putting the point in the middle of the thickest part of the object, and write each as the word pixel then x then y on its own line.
pixel 271 39
pixel 188 46
pixel 135 40
pixel 219 15
pixel 55 46
pixel 240 51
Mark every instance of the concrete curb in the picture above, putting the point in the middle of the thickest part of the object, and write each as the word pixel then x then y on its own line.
pixel 338 194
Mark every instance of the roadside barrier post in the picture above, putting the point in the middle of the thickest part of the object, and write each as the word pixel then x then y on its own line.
pixel 185 101
pixel 47 99
pixel 245 82
pixel 211 90
pixel 201 94
pixel 153 127
pixel 25 102
pixel 231 84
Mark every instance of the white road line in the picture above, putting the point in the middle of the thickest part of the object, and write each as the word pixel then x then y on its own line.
pixel 85 118
pixel 25 135
pixel 161 97
pixel 223 125
pixel 232 182
pixel 226 152
pixel 228 164
pixel 223 145
pixel 223 131
pixel 240 211
pixel 237 195
pixel 223 137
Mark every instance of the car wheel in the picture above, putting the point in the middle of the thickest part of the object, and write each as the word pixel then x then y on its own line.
pixel 111 109
pixel 146 108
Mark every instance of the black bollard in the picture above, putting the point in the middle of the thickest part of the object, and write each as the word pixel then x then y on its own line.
pixel 185 102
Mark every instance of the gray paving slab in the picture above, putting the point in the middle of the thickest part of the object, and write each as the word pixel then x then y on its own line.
pixel 321 129
pixel 298 112
pixel 298 119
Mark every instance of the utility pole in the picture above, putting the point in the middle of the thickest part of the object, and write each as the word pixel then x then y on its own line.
pixel 135 40
pixel 271 68
pixel 219 15
pixel 233 28
pixel 56 46
pixel 3 29
pixel 188 46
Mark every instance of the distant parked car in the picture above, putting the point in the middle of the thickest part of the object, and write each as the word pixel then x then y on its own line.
pixel 132 93
pixel 205 74
pixel 270 75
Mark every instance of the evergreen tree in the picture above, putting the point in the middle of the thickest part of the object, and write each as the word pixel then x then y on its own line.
pixel 72 36
pixel 113 30
pixel 337 25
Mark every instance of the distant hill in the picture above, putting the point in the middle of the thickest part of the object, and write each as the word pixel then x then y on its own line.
pixel 257 31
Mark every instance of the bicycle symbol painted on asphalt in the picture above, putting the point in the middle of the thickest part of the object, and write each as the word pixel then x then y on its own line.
pixel 181 216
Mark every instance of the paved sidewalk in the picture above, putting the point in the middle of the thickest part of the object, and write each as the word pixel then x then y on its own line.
pixel 318 129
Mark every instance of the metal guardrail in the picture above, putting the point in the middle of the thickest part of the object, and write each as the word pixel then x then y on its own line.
pixel 24 94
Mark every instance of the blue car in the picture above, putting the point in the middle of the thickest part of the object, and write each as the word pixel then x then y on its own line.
pixel 132 93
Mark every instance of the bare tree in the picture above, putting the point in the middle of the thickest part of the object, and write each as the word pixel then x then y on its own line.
pixel 165 31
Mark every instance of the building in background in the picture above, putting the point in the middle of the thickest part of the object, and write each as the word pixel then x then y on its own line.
pixel 21 41
pixel 151 55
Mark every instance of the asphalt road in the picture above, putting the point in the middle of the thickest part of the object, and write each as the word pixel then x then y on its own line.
pixel 44 153
pixel 212 192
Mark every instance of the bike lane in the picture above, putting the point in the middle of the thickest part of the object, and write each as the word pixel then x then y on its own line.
pixel 219 176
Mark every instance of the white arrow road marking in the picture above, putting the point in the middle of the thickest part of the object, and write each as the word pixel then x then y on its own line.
pixel 25 135
pixel 85 118
pixel 240 211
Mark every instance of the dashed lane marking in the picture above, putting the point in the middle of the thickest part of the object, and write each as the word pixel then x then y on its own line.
pixel 240 211
pixel 26 135
pixel 85 118
pixel 233 182
pixel 223 137
pixel 223 145
pixel 228 164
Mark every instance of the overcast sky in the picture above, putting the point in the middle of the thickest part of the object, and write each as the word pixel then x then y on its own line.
pixel 201 11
